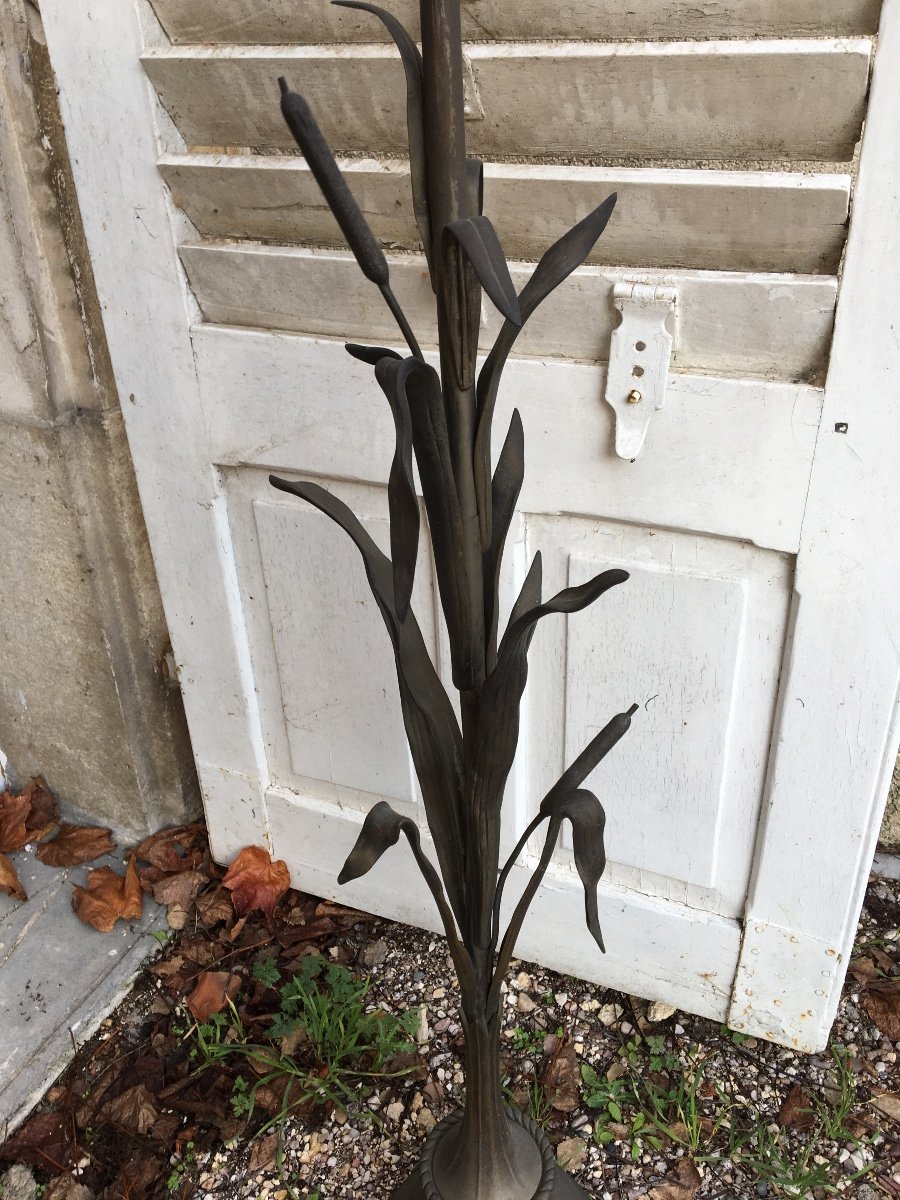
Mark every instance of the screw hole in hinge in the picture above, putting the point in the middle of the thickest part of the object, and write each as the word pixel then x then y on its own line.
pixel 640 346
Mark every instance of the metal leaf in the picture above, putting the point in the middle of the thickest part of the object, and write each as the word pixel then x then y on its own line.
pixel 475 176
pixel 370 354
pixel 415 125
pixel 403 502
pixel 431 727
pixel 585 812
pixel 555 266
pixel 478 238
pixel 505 488
pixel 596 750
pixel 381 830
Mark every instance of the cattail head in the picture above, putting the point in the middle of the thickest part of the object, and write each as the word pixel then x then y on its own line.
pixel 327 174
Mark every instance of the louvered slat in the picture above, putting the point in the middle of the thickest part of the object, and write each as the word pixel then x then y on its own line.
pixel 715 101
pixel 725 220
pixel 752 326
pixel 284 21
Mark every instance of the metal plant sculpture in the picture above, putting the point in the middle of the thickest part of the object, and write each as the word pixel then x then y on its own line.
pixel 443 420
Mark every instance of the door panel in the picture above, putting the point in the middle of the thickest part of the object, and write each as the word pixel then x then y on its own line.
pixel 750 528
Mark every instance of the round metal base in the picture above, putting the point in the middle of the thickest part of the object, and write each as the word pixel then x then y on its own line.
pixel 555 1184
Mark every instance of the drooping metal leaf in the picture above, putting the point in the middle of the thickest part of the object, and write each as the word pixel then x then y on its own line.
pixel 370 354
pixel 412 65
pixel 585 812
pixel 555 266
pixel 431 727
pixel 505 488
pixel 530 592
pixel 403 502
pixel 497 732
pixel 478 238
pixel 595 751
pixel 381 830
pixel 327 174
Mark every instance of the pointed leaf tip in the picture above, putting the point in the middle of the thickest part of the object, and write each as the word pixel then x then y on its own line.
pixel 283 85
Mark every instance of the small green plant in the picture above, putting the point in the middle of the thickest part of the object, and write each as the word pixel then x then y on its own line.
pixel 322 1045
pixel 539 1107
pixel 181 1168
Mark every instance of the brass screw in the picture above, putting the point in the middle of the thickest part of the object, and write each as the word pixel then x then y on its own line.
pixel 634 396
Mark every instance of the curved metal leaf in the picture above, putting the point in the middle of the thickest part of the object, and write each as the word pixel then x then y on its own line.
pixel 596 750
pixel 381 830
pixel 431 727
pixel 505 488
pixel 555 266
pixel 415 124
pixel 497 733
pixel 585 812
pixel 370 354
pixel 475 177
pixel 478 238
pixel 402 499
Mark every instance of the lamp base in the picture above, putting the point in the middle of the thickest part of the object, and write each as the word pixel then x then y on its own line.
pixel 555 1184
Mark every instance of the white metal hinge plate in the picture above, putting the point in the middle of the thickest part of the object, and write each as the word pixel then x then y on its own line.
pixel 639 355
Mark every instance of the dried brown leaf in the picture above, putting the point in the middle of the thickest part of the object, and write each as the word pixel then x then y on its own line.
pixel 796 1112
pixel 682 1184
pixel 107 897
pixel 571 1153
pixel 888 1104
pixel 10 884
pixel 67 1187
pixel 263 1152
pixel 562 1078
pixel 173 849
pixel 44 813
pixel 255 881
pixel 215 906
pixel 76 844
pixel 881 1002
pixel 180 888
pixel 43 1141
pixel 134 1110
pixel 14 812
pixel 213 991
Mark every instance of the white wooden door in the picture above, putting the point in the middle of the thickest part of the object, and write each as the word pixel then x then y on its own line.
pixel 759 628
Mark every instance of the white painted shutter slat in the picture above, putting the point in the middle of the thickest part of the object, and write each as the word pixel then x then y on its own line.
pixel 746 325
pixel 282 21
pixel 719 101
pixel 720 220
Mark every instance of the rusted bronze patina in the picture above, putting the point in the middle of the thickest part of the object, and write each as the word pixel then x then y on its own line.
pixel 443 419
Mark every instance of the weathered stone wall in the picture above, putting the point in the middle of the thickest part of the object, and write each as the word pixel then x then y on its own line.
pixel 84 696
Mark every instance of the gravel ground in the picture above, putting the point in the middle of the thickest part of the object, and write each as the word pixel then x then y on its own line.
pixel 755 1094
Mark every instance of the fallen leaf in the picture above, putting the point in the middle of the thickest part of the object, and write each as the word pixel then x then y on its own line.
pixel 796 1112
pixel 682 1184
pixel 76 844
pixel 561 1077
pixel 44 813
pixel 107 897
pixel 263 1152
pixel 43 1141
pixel 213 991
pixel 177 916
pixel 255 881
pixel 132 893
pixel 9 880
pixel 172 849
pixel 14 812
pixel 134 1110
pixel 571 1153
pixel 881 1002
pixel 180 888
pixel 888 1104
pixel 67 1187
pixel 215 906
